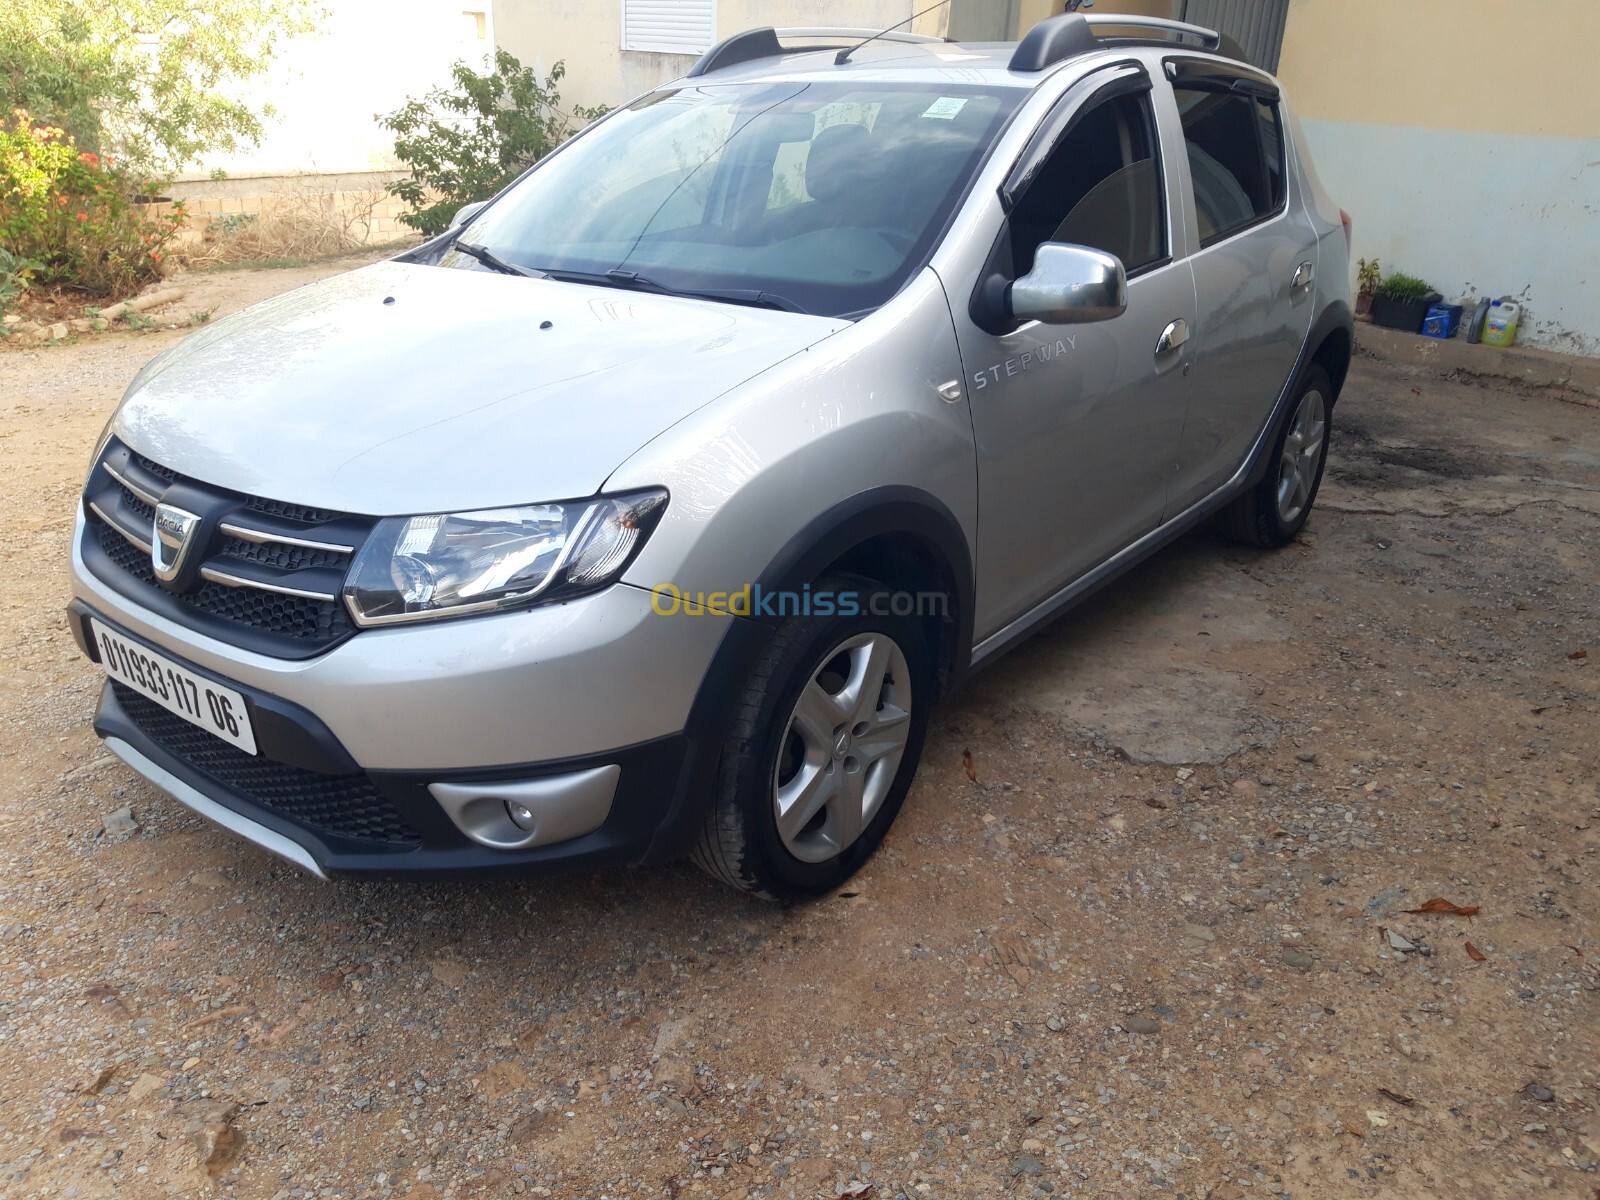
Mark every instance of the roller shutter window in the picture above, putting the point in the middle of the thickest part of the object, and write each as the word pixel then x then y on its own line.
pixel 669 26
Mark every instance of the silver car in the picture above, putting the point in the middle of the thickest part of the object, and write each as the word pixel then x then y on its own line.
pixel 649 511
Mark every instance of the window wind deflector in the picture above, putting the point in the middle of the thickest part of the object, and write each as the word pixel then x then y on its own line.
pixel 1121 79
pixel 1219 77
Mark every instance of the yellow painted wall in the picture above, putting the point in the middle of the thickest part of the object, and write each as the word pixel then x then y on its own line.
pixel 1433 63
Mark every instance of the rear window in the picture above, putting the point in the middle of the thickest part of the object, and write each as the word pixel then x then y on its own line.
pixel 1235 147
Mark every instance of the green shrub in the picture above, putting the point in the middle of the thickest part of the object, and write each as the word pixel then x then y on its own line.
pixel 1369 276
pixel 15 275
pixel 1403 288
pixel 77 217
pixel 148 80
pixel 466 142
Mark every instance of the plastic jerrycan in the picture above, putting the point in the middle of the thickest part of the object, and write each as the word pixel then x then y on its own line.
pixel 1500 325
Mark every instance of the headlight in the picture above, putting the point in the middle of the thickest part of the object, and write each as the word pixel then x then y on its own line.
pixel 418 568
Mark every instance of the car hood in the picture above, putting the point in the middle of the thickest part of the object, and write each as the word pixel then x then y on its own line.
pixel 403 388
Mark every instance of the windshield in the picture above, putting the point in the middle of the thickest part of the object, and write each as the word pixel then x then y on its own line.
pixel 822 197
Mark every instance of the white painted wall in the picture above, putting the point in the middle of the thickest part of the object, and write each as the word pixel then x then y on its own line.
pixel 1477 214
pixel 328 86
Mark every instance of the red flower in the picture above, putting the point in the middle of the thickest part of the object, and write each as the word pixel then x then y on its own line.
pixel 83 216
pixel 91 159
pixel 154 257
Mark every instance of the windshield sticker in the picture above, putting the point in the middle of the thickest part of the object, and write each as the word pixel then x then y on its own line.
pixel 945 108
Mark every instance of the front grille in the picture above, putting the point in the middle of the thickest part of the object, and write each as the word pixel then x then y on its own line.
pixel 343 805
pixel 322 622
pixel 258 585
pixel 282 557
pixel 292 512
pixel 155 468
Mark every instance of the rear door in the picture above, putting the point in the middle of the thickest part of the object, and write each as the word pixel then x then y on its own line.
pixel 1254 266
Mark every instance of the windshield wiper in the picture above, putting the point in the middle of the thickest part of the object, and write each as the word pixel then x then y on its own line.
pixel 494 262
pixel 634 282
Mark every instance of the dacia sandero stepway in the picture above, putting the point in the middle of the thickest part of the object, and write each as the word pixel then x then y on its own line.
pixel 649 510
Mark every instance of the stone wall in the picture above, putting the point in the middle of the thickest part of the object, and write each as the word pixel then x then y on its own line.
pixel 355 203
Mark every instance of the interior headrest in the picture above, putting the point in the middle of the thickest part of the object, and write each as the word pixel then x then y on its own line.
pixel 840 155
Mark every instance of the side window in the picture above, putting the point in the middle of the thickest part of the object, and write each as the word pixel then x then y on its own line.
pixel 1100 187
pixel 1235 158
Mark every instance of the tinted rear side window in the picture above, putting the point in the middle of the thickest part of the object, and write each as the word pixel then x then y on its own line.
pixel 1235 159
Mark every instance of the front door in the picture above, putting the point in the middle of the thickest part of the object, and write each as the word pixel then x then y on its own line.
pixel 1077 425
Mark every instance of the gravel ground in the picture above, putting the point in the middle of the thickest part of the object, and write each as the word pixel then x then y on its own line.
pixel 1160 945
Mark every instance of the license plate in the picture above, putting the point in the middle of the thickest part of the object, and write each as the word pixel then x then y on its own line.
pixel 198 700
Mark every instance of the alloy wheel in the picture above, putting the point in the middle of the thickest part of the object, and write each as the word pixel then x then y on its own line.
pixel 1301 456
pixel 842 746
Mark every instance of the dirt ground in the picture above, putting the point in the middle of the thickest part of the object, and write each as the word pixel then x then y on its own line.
pixel 1158 947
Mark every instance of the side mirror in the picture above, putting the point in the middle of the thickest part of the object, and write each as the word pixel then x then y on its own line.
pixel 1070 285
pixel 466 212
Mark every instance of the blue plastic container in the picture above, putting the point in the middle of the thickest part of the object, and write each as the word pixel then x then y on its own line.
pixel 1442 321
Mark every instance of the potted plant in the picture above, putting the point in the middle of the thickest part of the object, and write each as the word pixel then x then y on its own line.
pixel 1368 276
pixel 1402 302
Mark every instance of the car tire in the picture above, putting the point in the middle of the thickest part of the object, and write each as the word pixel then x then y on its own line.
pixel 812 730
pixel 1274 511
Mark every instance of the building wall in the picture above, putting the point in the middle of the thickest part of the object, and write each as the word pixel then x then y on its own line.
pixel 1465 144
pixel 587 36
pixel 365 57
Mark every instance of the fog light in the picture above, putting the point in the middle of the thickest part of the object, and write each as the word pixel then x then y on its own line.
pixel 521 815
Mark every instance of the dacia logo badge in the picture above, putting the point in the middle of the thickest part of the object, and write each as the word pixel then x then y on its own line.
pixel 174 538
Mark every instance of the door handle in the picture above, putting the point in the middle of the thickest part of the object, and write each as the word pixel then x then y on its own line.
pixel 1172 338
pixel 1303 275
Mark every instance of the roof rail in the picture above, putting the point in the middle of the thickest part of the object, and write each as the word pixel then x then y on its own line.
pixel 1209 39
pixel 765 42
pixel 1056 39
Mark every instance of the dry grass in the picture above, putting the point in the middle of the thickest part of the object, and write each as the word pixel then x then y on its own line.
pixel 302 225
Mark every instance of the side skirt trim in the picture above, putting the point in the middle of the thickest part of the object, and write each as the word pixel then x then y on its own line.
pixel 1112 567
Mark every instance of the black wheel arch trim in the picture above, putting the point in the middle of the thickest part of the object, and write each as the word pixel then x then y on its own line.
pixel 1335 318
pixel 876 512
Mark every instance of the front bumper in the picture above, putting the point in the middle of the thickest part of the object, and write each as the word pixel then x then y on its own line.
pixel 339 820
pixel 607 718
pixel 545 683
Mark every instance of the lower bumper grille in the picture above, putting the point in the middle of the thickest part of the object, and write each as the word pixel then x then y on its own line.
pixel 348 806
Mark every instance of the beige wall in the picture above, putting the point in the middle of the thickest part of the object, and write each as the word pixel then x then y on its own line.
pixel 587 36
pixel 1436 64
